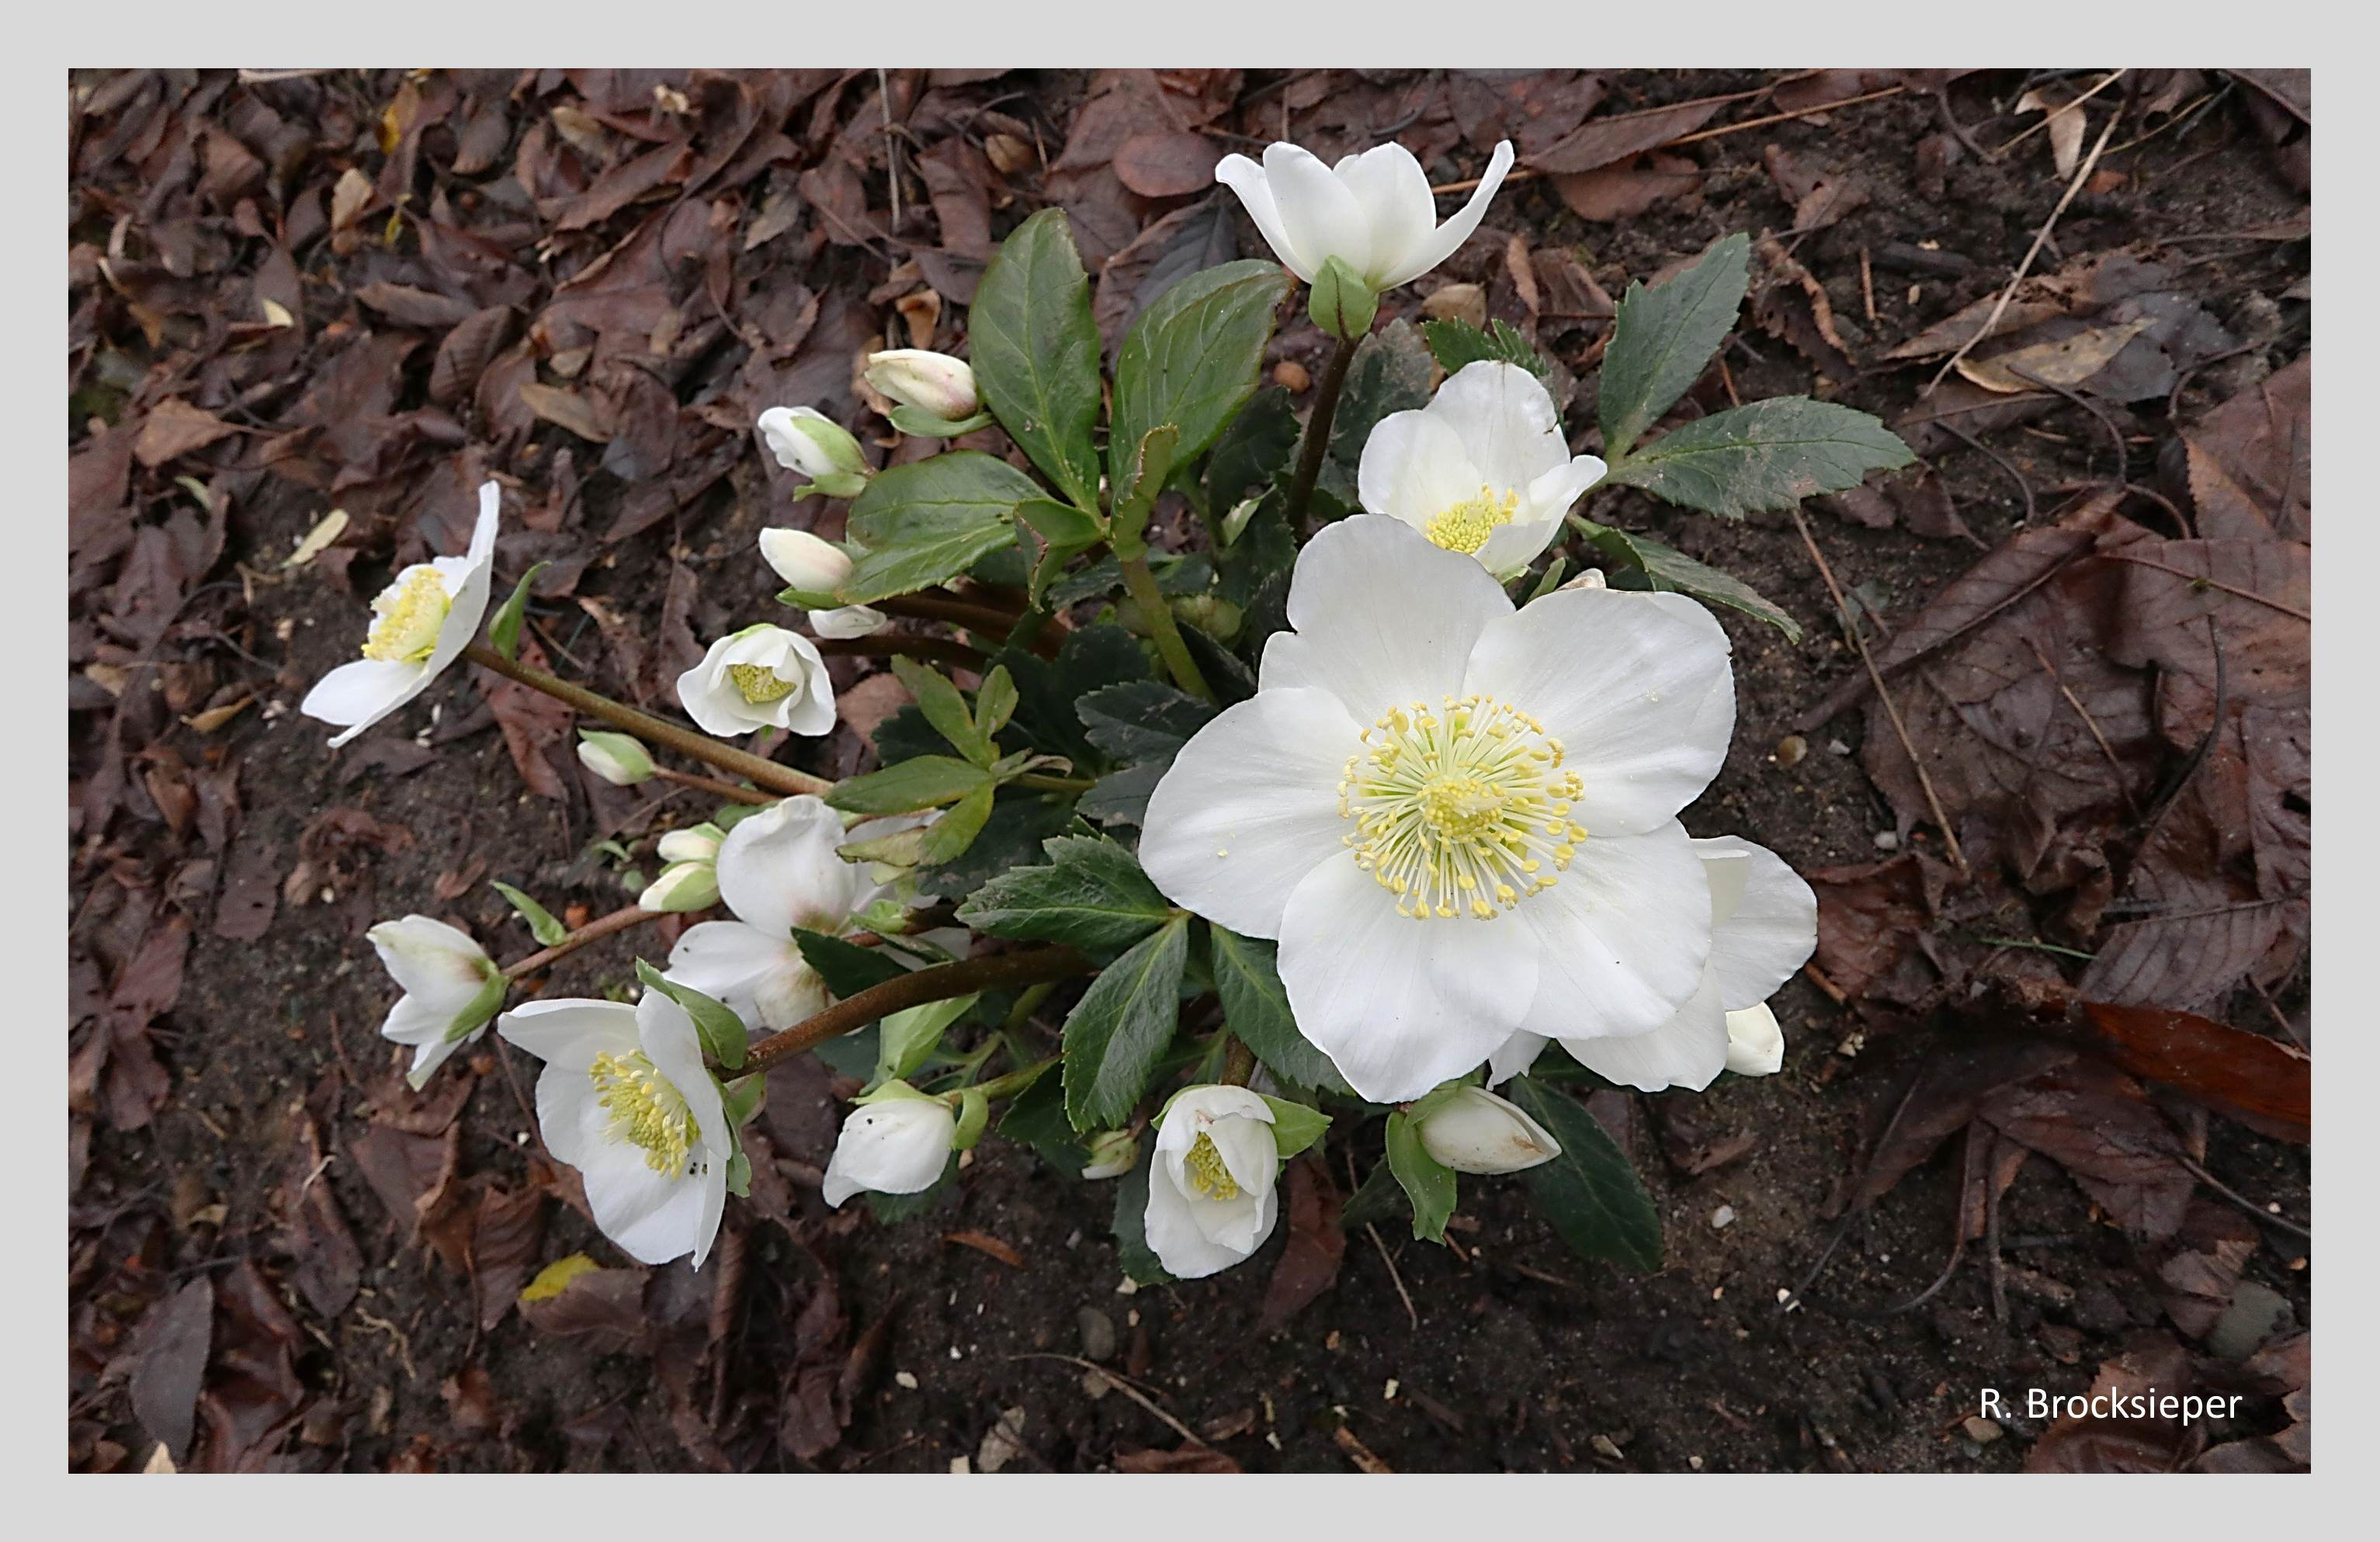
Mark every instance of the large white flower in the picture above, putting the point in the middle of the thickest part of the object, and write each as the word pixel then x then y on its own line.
pixel 1764 925
pixel 1374 211
pixel 897 1146
pixel 1483 468
pixel 625 1099
pixel 760 677
pixel 452 988
pixel 1210 1189
pixel 426 615
pixel 1458 818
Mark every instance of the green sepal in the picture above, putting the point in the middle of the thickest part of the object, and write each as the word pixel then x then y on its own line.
pixel 1428 1182
pixel 808 600
pixel 743 1098
pixel 908 1036
pixel 723 1036
pixel 504 629
pixel 486 1005
pixel 1343 305
pixel 917 423
pixel 894 1092
pixel 1551 580
pixel 739 1174
pixel 974 1113
pixel 1295 1126
pixel 541 924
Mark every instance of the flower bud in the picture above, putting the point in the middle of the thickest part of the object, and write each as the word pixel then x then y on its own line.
pixel 805 440
pixel 809 563
pixel 1592 578
pixel 1475 1131
pixel 615 758
pixel 682 886
pixel 1112 1154
pixel 697 843
pixel 897 1144
pixel 932 382
pixel 1755 1045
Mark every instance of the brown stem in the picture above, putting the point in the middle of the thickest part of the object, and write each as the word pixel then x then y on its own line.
pixel 1318 433
pixel 916 645
pixel 778 779
pixel 991 620
pixel 594 931
pixel 1239 1063
pixel 716 788
pixel 937 984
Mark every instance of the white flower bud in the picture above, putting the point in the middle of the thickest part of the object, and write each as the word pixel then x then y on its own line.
pixel 1477 1132
pixel 849 621
pixel 615 758
pixel 1592 578
pixel 809 563
pixel 1755 1045
pixel 897 1146
pixel 699 843
pixel 682 886
pixel 807 441
pixel 1112 1154
pixel 932 382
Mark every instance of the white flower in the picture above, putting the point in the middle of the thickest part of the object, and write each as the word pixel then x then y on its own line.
pixel 816 566
pixel 1210 1189
pixel 695 843
pixel 1764 923
pixel 897 1146
pixel 1112 1154
pixel 428 614
pixel 1483 468
pixel 932 382
pixel 625 1099
pixel 452 987
pixel 616 757
pixel 760 677
pixel 805 440
pixel 682 886
pixel 1474 1131
pixel 1374 211
pixel 1458 818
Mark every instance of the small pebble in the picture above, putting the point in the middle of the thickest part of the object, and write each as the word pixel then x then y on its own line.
pixel 907 1381
pixel 1695 1462
pixel 1389 1394
pixel 1791 748
pixel 1099 1332
pixel 1886 840
pixel 1722 1218
pixel 1837 747
pixel 1983 1432
pixel 1291 376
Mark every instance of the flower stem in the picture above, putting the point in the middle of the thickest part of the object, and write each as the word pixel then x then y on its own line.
pixel 937 984
pixel 594 931
pixel 1017 1081
pixel 1239 1063
pixel 1317 434
pixel 716 788
pixel 916 645
pixel 1047 784
pixel 1142 585
pixel 781 780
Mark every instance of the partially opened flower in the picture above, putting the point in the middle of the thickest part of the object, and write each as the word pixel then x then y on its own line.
pixel 1210 1189
pixel 1764 925
pixel 452 988
pixel 616 757
pixel 1474 1131
pixel 1374 211
pixel 819 566
pixel 1114 1152
pixel 625 1099
pixel 425 618
pixel 1483 468
pixel 934 383
pixel 897 1145
pixel 1459 819
pixel 805 440
pixel 760 677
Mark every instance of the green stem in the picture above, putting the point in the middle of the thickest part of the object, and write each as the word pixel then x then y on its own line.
pixel 1017 1081
pixel 1142 585
pixel 1317 434
pixel 1055 783
pixel 782 780
pixel 936 984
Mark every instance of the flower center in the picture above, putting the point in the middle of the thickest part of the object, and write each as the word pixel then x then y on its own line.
pixel 646 1110
pixel 1207 1174
pixel 1467 525
pixel 1465 809
pixel 410 613
pixel 760 685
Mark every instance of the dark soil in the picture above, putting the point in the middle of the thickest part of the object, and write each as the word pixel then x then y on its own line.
pixel 1516 1354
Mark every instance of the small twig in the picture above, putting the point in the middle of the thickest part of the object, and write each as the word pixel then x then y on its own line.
pixel 716 788
pixel 892 150
pixel 1781 118
pixel 2123 459
pixel 1997 459
pixel 2241 1199
pixel 2051 112
pixel 939 983
pixel 1360 1453
pixel 602 926
pixel 1123 1384
pixel 2216 583
pixel 1868 285
pixel 1394 1278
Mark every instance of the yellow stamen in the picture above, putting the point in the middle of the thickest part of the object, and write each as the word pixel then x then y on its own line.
pixel 411 615
pixel 646 1110
pixel 1467 526
pixel 1207 1174
pixel 760 685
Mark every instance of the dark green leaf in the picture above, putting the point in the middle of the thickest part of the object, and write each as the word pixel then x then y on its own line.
pixel 1091 893
pixel 1142 720
pixel 1589 1193
pixel 1379 1198
pixel 504 630
pixel 1193 358
pixel 1036 351
pixel 1662 338
pixel 1038 1118
pixel 931 520
pixel 1104 654
pixel 1062 525
pixel 949 837
pixel 1021 820
pixel 945 708
pixel 925 782
pixel 1389 373
pixel 1255 1008
pixel 1254 451
pixel 847 967
pixel 541 924
pixel 1429 1182
pixel 1664 570
pixel 852 1055
pixel 1770 454
pixel 1122 797
pixel 1457 342
pixel 1294 1125
pixel 1116 1033
pixel 725 1038
pixel 1132 1252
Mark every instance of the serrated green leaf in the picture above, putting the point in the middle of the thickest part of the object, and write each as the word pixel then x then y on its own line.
pixel 1455 343
pixel 845 967
pixel 1428 1182
pixel 1389 373
pixel 1255 450
pixel 949 837
pixel 725 1038
pixel 1091 893
pixel 1122 797
pixel 1142 720
pixel 1663 336
pixel 931 520
pixel 1768 455
pixel 927 782
pixel 1193 358
pixel 503 628
pixel 1295 1126
pixel 1139 1260
pixel 542 923
pixel 1136 494
pixel 1117 1031
pixel 1589 1194
pixel 1668 571
pixel 1021 820
pixel 1035 350
pixel 1255 1008
pixel 1036 1118
pixel 945 706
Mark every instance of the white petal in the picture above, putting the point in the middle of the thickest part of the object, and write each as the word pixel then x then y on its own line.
pixel 1765 936
pixel 666 1034
pixel 778 868
pixel 1317 212
pixel 569 1034
pixel 431 961
pixel 1636 687
pixel 788 994
pixel 1249 806
pixel 1400 1006
pixel 1172 1227
pixel 361 693
pixel 1456 231
pixel 429 1054
pixel 655 1219
pixel 1240 1223
pixel 484 530
pixel 1248 1151
pixel 416 1022
pixel 1414 469
pixel 1624 934
pixel 469 597
pixel 847 620
pixel 1689 1050
pixel 1506 421
pixel 1383 618
pixel 1510 548
pixel 1552 495
pixel 569 1116
pixel 729 962
pixel 1755 1045
pixel 891 1147
pixel 1246 179
pixel 1393 192
pixel 1518 1053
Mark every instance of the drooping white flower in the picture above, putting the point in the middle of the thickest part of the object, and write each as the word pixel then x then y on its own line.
pixel 1474 1131
pixel 760 677
pixel 805 440
pixel 1114 1152
pixel 616 757
pixel 452 988
pixel 1458 818
pixel 625 1099
pixel 899 1145
pixel 1764 925
pixel 935 384
pixel 1210 1189
pixel 426 615
pixel 1374 211
pixel 816 566
pixel 1483 468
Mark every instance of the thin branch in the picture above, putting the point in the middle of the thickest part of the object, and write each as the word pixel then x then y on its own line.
pixel 1317 434
pixel 1000 971
pixel 716 788
pixel 595 931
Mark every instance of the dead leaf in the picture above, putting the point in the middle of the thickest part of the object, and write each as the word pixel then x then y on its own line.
pixel 1309 1263
pixel 173 428
pixel 2068 362
pixel 1167 166
pixel 175 1337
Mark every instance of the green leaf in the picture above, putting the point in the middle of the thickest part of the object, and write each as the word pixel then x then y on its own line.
pixel 1377 1199
pixel 1663 336
pixel 1132 1252
pixel 1295 1126
pixel 851 1054
pixel 725 1038
pixel 743 1098
pixel 945 708
pixel 1429 1182
pixel 1589 1193
pixel 927 782
pixel 1389 373
pixel 739 1174
pixel 1092 894
pixel 1193 358
pixel 1036 1118
pixel 541 924
pixel 1455 343
pixel 906 1037
pixel 504 630
pixel 1255 1008
pixel 1667 571
pixel 1035 350
pixel 847 967
pixel 1254 451
pixel 1021 820
pixel 1122 797
pixel 920 424
pixel 1136 495
pixel 1066 533
pixel 1142 720
pixel 931 520
pixel 995 701
pixel 1117 1032
pixel 950 836
pixel 1769 454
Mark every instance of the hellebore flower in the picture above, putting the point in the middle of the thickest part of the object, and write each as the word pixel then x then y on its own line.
pixel 1210 1189
pixel 1474 1131
pixel 934 383
pixel 1764 923
pixel 691 880
pixel 898 1145
pixel 428 614
pixel 452 987
pixel 1459 819
pixel 816 566
pixel 760 677
pixel 1483 468
pixel 1374 211
pixel 625 1099
pixel 805 440
pixel 616 757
